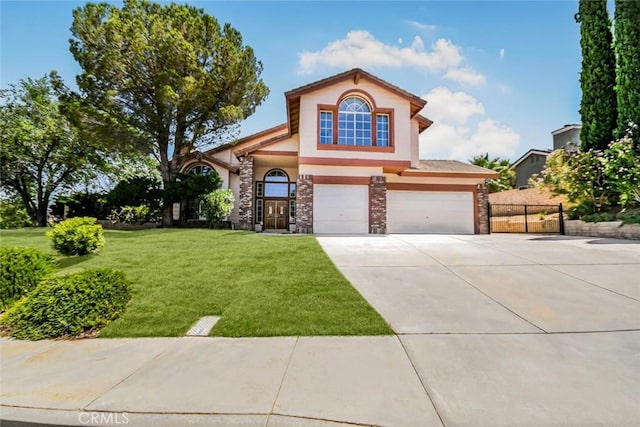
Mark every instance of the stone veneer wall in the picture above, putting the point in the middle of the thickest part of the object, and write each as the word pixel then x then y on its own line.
pixel 245 209
pixel 378 205
pixel 304 204
pixel 610 229
pixel 483 209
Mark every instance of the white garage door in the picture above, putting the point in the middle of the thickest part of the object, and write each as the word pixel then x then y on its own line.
pixel 340 208
pixel 430 212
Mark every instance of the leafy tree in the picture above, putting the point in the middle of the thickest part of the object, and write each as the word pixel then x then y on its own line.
pixel 507 178
pixel 135 191
pixel 627 49
pixel 598 109
pixel 42 151
pixel 13 214
pixel 163 79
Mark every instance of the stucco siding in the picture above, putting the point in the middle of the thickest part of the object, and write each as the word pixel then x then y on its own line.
pixel 339 170
pixel 415 144
pixel 260 171
pixel 234 185
pixel 394 178
pixel 308 128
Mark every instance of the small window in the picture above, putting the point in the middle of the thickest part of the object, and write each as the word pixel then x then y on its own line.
pixel 292 190
pixel 382 130
pixel 326 127
pixel 292 211
pixel 258 211
pixel 259 189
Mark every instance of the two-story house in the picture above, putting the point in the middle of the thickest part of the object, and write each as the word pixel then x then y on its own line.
pixel 347 161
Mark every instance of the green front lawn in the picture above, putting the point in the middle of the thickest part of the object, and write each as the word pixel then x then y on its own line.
pixel 261 285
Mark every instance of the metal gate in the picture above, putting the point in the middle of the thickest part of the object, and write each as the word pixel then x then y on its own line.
pixel 526 218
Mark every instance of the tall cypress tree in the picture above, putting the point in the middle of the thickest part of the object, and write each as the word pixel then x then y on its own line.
pixel 598 109
pixel 627 49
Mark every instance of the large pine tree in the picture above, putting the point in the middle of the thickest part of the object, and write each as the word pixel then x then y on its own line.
pixel 598 108
pixel 627 49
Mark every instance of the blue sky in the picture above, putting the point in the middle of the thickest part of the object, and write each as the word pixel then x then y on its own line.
pixel 498 76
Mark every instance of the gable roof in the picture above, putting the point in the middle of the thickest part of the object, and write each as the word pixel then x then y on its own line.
pixel 566 128
pixel 281 129
pixel 355 74
pixel 539 151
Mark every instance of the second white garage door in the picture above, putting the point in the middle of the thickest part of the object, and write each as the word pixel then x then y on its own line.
pixel 430 212
pixel 340 208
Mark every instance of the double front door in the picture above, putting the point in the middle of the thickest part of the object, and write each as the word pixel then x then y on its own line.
pixel 276 214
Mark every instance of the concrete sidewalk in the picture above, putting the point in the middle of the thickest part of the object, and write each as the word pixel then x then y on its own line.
pixel 412 380
pixel 214 381
pixel 491 331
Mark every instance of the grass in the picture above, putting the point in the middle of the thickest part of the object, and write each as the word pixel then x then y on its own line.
pixel 261 285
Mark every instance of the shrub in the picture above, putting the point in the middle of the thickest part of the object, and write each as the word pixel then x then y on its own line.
pixel 13 215
pixel 21 269
pixel 77 236
pixel 629 217
pixel 217 206
pixel 134 215
pixel 69 305
pixel 599 217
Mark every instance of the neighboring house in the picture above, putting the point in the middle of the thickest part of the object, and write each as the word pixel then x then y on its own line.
pixel 567 137
pixel 347 161
pixel 530 163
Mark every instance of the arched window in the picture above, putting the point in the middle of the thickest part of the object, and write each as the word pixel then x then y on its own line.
pixel 276 175
pixel 276 183
pixel 195 208
pixel 354 122
pixel 200 170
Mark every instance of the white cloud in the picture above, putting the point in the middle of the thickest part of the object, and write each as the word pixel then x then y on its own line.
pixel 447 106
pixel 501 53
pixel 399 40
pixel 361 49
pixel 461 128
pixel 422 27
pixel 466 76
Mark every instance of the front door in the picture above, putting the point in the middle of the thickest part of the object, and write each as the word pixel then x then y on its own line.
pixel 276 215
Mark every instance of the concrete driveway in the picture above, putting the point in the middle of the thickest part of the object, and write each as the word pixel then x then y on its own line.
pixel 509 329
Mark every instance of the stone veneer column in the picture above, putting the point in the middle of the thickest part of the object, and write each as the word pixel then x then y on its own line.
pixel 304 204
pixel 483 209
pixel 378 205
pixel 245 208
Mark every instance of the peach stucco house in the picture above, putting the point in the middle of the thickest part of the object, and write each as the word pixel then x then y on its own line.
pixel 347 161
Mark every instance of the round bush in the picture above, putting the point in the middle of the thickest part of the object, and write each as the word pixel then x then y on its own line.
pixel 77 236
pixel 69 305
pixel 20 271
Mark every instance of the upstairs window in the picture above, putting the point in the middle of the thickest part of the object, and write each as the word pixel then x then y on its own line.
pixel 354 122
pixel 382 130
pixel 326 127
